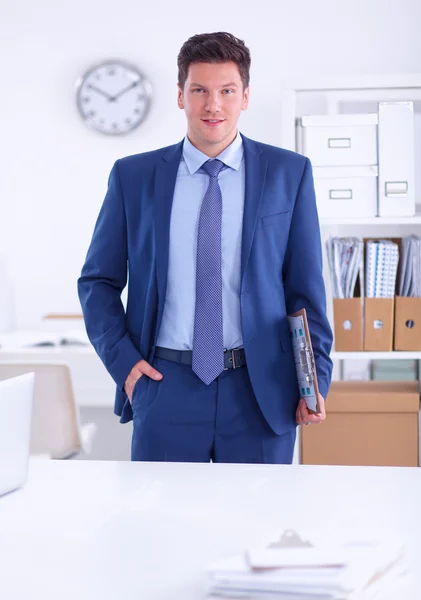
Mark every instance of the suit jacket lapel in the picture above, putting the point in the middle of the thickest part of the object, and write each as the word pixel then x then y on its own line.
pixel 256 166
pixel 165 178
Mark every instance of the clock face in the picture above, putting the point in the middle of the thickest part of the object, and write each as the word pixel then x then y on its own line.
pixel 113 97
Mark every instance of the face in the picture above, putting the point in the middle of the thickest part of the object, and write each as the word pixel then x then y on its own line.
pixel 212 98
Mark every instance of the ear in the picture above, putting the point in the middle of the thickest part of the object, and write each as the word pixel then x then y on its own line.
pixel 180 101
pixel 246 98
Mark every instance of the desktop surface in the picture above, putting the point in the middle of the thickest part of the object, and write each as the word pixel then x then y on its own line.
pixel 89 530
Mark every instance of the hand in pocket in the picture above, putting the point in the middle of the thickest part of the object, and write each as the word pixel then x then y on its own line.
pixel 140 369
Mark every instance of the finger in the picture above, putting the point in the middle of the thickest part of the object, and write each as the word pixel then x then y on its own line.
pixel 306 417
pixel 148 370
pixel 302 420
pixel 315 419
pixel 304 414
pixel 299 413
pixel 301 406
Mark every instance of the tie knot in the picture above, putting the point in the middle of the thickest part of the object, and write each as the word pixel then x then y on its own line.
pixel 213 167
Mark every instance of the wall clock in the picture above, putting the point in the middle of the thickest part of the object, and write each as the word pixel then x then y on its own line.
pixel 113 97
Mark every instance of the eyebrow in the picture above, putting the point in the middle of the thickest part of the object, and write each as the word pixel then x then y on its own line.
pixel 231 84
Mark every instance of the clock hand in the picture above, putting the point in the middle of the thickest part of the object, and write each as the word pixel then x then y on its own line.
pixel 96 89
pixel 126 89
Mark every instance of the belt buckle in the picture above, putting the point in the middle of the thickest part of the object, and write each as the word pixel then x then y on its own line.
pixel 232 359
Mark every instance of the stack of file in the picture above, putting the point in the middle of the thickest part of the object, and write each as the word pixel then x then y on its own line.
pixel 345 259
pixel 356 570
pixel 381 268
pixel 410 273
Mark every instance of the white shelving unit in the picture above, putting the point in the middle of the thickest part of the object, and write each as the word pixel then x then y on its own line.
pixel 354 94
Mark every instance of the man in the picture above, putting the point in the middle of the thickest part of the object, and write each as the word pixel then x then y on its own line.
pixel 221 240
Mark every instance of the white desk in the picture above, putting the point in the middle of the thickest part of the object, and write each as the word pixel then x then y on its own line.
pixel 147 531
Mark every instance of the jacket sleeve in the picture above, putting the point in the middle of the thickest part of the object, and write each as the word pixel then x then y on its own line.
pixel 103 278
pixel 303 276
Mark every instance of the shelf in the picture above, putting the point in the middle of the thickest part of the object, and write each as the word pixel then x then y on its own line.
pixel 372 221
pixel 376 355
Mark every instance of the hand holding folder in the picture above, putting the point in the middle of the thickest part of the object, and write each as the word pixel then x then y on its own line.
pixel 311 408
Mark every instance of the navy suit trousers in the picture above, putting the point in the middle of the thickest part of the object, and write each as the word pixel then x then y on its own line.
pixel 181 419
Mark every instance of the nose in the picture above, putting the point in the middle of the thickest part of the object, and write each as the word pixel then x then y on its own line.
pixel 212 103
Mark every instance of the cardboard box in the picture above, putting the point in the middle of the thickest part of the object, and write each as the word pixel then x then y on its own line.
pixel 339 140
pixel 407 323
pixel 348 324
pixel 346 191
pixel 368 423
pixel 378 324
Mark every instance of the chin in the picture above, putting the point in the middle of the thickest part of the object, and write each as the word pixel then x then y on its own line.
pixel 215 137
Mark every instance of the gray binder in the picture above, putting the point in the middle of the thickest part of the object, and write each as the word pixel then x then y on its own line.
pixel 304 360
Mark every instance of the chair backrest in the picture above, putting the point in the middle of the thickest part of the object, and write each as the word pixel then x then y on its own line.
pixel 16 398
pixel 55 417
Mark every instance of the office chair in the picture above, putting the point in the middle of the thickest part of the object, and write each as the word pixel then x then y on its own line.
pixel 56 430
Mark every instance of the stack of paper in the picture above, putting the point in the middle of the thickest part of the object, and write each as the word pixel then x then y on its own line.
pixel 354 570
pixel 381 268
pixel 410 272
pixel 345 259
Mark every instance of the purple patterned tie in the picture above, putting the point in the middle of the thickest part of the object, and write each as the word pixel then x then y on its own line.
pixel 208 339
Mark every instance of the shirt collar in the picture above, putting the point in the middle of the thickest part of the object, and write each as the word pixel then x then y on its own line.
pixel 231 156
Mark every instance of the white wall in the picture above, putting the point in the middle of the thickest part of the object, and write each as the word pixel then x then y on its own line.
pixel 54 170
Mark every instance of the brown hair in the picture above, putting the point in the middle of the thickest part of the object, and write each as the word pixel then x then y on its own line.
pixel 214 48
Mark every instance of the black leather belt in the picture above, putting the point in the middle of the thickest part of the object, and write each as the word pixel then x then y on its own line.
pixel 233 359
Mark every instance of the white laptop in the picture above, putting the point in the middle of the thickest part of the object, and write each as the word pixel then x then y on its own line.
pixel 16 397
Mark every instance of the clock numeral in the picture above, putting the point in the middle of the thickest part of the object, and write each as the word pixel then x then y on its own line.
pixel 86 99
pixel 115 125
pixel 137 111
pixel 128 121
pixel 91 113
pixel 111 71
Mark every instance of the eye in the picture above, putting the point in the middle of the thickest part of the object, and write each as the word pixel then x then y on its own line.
pixel 198 90
pixel 227 92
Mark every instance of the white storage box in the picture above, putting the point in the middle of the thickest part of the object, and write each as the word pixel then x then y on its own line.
pixel 339 140
pixel 396 159
pixel 346 191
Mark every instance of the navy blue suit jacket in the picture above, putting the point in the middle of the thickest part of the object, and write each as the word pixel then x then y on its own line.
pixel 281 271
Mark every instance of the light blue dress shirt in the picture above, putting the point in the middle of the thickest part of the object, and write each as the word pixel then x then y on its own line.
pixel 177 325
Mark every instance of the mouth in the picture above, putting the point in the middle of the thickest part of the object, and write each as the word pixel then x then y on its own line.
pixel 212 122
